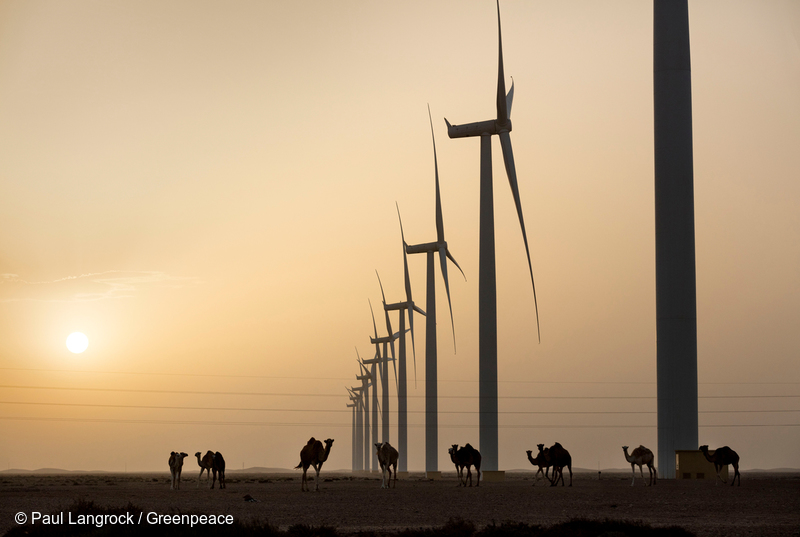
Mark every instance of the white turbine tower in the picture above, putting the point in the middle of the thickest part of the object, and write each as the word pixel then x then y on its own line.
pixel 402 385
pixel 487 282
pixel 431 358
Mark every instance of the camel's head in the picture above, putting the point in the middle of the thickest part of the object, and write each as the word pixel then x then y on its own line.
pixel 704 449
pixel 328 443
pixel 529 452
pixel 453 449
pixel 624 448
pixel 540 446
pixel 197 454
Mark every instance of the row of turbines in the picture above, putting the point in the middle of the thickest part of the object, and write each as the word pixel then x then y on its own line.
pixel 676 318
pixel 487 305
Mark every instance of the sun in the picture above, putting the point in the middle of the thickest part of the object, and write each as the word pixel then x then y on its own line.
pixel 77 342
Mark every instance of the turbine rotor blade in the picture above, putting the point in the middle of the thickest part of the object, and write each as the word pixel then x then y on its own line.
pixel 502 106
pixel 510 97
pixel 413 346
pixel 443 260
pixel 385 313
pixel 374 326
pixel 511 171
pixel 405 258
pixel 439 219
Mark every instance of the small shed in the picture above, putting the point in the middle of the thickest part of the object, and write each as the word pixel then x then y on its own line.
pixel 692 464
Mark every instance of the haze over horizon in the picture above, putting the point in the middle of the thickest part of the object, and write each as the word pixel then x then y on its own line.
pixel 207 190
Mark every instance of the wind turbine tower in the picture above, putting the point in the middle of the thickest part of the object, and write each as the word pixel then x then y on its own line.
pixel 487 280
pixel 431 358
pixel 676 297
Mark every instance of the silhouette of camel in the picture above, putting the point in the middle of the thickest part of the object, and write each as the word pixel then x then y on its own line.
pixel 453 457
pixel 387 457
pixel 175 468
pixel 723 457
pixel 205 464
pixel 541 461
pixel 469 456
pixel 313 454
pixel 218 468
pixel 559 458
pixel 641 456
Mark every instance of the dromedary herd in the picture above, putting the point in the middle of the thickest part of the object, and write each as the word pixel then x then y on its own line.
pixel 555 457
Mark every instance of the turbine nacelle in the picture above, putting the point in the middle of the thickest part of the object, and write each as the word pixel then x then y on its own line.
pixel 480 128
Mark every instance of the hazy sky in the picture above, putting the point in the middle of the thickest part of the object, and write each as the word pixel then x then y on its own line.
pixel 206 190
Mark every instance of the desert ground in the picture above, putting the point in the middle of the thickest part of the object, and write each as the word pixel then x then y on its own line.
pixel 766 504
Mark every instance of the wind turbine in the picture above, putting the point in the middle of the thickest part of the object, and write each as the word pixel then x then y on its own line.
pixel 356 398
pixel 431 373
pixel 366 383
pixel 388 343
pixel 487 282
pixel 402 387
pixel 353 433
pixel 374 385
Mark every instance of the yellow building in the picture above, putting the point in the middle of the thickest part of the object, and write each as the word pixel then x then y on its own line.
pixel 692 464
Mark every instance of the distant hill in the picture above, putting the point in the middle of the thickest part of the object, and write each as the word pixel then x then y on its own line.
pixel 259 470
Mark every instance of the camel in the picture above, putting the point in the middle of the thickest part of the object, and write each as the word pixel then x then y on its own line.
pixel 641 456
pixel 453 457
pixel 469 456
pixel 175 468
pixel 205 464
pixel 387 457
pixel 541 461
pixel 218 468
pixel 723 457
pixel 313 454
pixel 559 458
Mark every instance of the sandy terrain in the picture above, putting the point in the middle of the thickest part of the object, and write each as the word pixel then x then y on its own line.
pixel 766 504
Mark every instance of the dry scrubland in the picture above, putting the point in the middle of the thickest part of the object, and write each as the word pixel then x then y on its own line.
pixel 766 504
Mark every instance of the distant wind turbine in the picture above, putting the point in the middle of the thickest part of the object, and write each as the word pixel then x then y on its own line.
pixel 431 373
pixel 487 283
pixel 358 446
pixel 374 385
pixel 402 388
pixel 388 343
pixel 367 382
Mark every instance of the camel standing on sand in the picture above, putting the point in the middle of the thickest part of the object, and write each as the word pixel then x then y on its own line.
pixel 559 458
pixel 453 457
pixel 218 468
pixel 723 457
pixel 175 468
pixel 313 454
pixel 641 456
pixel 469 456
pixel 541 461
pixel 387 457
pixel 205 464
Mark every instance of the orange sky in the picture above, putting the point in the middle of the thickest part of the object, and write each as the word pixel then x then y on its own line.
pixel 206 191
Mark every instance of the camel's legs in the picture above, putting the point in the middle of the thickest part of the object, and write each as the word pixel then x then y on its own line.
pixel 633 473
pixel 641 471
pixel 316 479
